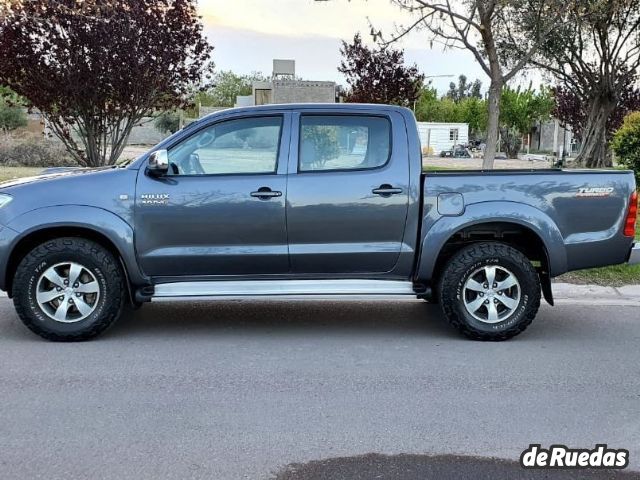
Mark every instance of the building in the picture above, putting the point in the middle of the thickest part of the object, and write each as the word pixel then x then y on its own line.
pixel 436 137
pixel 284 87
pixel 552 138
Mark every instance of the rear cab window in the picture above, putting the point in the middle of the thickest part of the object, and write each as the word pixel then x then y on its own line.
pixel 343 142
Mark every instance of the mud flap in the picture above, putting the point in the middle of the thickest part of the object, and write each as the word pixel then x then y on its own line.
pixel 545 283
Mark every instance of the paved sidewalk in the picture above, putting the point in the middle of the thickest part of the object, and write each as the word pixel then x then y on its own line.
pixel 596 294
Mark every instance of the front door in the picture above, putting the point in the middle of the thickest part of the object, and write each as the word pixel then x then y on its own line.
pixel 221 208
pixel 348 194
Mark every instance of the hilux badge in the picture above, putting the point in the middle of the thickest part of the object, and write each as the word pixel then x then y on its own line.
pixel 154 199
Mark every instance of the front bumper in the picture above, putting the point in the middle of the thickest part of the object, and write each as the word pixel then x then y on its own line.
pixel 634 257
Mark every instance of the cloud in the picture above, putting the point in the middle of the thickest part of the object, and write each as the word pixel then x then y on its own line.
pixel 248 34
pixel 295 18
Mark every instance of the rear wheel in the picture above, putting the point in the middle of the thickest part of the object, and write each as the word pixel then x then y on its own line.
pixel 489 291
pixel 68 289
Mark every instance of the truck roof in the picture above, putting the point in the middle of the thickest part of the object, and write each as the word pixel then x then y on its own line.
pixel 338 107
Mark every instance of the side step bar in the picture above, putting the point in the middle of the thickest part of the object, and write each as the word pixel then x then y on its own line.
pixel 224 290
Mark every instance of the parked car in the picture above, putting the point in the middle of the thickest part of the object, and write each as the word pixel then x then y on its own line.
pixel 209 215
pixel 457 151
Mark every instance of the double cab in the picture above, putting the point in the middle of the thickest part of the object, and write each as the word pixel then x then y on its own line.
pixel 314 201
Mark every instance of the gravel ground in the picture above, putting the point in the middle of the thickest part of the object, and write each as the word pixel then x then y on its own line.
pixel 476 163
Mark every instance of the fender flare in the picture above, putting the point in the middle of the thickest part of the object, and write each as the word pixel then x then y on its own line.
pixel 487 212
pixel 99 220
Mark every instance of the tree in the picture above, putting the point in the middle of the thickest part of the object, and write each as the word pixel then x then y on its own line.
pixel 324 139
pixel 572 110
pixel 226 86
pixel 378 75
pixel 470 110
pixel 475 25
pixel 595 52
pixel 626 143
pixel 431 108
pixel 521 109
pixel 464 89
pixel 95 68
pixel 474 112
pixel 12 114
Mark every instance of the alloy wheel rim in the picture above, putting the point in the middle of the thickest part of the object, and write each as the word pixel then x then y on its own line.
pixel 491 294
pixel 67 292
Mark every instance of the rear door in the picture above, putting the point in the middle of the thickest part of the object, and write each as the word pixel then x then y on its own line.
pixel 347 193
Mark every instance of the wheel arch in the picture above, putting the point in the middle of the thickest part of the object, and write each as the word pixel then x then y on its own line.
pixel 525 228
pixel 100 226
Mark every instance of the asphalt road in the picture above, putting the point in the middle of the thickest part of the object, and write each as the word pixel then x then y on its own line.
pixel 242 389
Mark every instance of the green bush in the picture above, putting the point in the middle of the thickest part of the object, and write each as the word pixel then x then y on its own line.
pixel 33 152
pixel 511 142
pixel 626 143
pixel 11 116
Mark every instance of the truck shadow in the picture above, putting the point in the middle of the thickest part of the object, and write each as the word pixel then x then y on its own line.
pixel 282 317
pixel 436 467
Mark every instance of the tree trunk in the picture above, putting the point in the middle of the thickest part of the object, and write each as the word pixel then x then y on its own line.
pixel 594 148
pixel 495 91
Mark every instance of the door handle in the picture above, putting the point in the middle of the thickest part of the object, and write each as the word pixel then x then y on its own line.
pixel 386 190
pixel 265 193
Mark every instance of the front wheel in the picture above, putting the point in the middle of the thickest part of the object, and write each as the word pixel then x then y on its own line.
pixel 68 289
pixel 489 291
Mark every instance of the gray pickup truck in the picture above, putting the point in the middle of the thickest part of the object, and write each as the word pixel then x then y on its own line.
pixel 314 201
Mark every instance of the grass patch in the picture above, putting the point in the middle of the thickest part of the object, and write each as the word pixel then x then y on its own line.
pixel 11 173
pixel 612 276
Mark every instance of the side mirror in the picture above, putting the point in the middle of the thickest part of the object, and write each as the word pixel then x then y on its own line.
pixel 158 163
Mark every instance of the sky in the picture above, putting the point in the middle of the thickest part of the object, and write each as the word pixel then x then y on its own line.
pixel 248 34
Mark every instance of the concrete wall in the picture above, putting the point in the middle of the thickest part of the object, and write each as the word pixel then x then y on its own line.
pixel 204 111
pixel 244 101
pixel 288 91
pixel 299 91
pixel 145 133
pixel 436 137
pixel 549 137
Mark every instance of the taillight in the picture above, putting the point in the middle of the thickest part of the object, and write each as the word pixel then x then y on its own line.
pixel 632 214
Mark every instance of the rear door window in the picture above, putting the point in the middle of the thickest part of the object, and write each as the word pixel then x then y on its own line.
pixel 343 142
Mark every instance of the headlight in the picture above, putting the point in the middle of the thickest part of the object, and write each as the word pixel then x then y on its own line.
pixel 4 199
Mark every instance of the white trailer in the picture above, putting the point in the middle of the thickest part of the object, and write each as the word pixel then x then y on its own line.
pixel 436 137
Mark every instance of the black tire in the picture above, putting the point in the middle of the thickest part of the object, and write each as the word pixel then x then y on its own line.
pixel 97 261
pixel 467 262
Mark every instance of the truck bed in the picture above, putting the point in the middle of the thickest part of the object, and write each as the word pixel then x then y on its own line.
pixel 579 213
